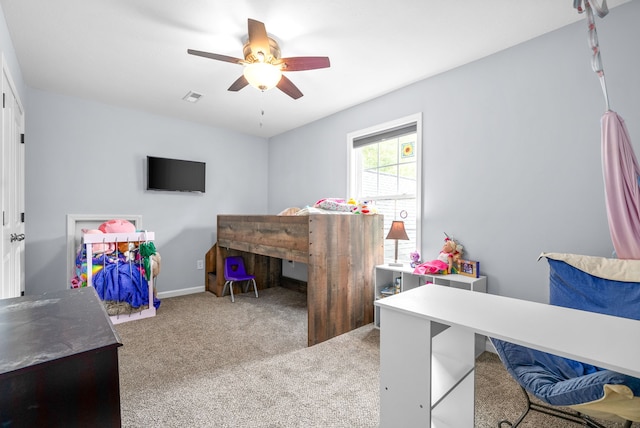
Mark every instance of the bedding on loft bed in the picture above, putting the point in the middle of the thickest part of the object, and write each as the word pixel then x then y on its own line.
pixel 331 206
pixel 120 279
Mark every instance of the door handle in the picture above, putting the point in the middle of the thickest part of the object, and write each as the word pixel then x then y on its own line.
pixel 15 237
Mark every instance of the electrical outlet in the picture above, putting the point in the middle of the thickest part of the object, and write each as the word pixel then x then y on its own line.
pixel 199 264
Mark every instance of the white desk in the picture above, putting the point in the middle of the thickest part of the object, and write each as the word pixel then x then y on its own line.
pixel 430 382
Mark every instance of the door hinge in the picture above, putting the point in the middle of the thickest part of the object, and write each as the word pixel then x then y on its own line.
pixel 3 223
pixel 21 138
pixel 22 217
pixel 3 100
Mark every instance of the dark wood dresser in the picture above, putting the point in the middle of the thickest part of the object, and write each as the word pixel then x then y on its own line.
pixel 58 361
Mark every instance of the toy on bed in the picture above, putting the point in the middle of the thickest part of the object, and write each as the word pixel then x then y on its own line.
pixel 445 263
pixel 120 270
pixel 363 208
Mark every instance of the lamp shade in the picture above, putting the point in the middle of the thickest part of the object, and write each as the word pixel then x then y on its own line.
pixel 262 75
pixel 397 231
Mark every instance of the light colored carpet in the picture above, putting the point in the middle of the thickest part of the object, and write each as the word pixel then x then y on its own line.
pixel 206 362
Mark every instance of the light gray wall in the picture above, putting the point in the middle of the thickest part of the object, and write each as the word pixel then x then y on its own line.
pixel 511 151
pixel 83 157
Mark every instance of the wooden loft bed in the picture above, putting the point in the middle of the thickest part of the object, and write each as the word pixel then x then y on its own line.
pixel 340 251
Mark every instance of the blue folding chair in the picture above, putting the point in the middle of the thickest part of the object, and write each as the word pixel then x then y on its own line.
pixel 234 271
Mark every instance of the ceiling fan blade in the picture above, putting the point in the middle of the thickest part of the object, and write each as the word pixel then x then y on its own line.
pixel 216 56
pixel 240 83
pixel 258 39
pixel 287 86
pixel 300 63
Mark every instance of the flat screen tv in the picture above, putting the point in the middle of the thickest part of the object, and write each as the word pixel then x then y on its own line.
pixel 175 175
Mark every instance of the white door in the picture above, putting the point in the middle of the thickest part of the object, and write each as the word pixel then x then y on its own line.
pixel 12 188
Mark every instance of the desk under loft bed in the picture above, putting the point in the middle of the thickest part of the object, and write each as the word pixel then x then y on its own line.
pixel 340 251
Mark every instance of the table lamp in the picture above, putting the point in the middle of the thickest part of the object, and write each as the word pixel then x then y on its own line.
pixel 397 232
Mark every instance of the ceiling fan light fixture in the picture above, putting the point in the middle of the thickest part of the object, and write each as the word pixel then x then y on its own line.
pixel 262 76
pixel 263 65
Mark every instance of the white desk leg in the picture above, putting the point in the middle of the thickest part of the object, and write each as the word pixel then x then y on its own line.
pixel 458 409
pixel 405 367
pixel 452 378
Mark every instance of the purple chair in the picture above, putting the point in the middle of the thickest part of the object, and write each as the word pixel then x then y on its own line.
pixel 234 271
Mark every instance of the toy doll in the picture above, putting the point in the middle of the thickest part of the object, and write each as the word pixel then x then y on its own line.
pixel 449 255
pixel 415 258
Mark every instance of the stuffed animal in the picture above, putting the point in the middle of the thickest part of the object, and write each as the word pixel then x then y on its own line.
pixel 112 226
pixel 445 263
pixel 289 211
pixel 119 225
pixel 415 258
pixel 99 248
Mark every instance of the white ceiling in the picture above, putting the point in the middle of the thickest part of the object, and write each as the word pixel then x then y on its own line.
pixel 133 53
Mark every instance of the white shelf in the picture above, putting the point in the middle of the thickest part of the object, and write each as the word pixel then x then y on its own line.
pixel 447 352
pixel 387 274
pixel 454 412
pixel 423 384
pixel 450 361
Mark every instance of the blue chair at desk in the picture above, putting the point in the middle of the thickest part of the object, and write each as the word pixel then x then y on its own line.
pixel 594 284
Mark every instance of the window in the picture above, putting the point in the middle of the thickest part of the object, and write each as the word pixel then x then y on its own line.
pixel 385 170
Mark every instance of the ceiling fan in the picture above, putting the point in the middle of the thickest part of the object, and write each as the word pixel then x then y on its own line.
pixel 263 65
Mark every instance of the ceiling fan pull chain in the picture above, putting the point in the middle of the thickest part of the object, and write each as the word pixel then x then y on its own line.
pixel 261 108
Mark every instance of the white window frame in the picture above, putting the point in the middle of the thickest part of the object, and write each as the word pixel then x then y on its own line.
pixel 352 184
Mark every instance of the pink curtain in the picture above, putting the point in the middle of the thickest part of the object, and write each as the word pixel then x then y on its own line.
pixel 622 188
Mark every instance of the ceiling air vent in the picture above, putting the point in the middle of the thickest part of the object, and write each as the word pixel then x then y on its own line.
pixel 192 97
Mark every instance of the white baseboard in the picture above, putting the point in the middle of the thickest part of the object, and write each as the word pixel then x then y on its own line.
pixel 180 292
